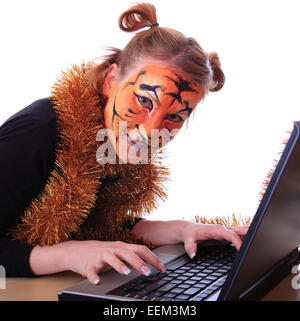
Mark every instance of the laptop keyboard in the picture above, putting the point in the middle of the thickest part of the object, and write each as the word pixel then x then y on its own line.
pixel 186 279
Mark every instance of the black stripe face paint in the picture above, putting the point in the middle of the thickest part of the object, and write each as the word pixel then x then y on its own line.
pixel 182 85
pixel 151 89
pixel 153 100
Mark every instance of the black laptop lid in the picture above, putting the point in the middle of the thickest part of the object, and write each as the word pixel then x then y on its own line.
pixel 275 228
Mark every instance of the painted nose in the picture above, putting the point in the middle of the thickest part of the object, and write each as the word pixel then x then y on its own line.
pixel 153 124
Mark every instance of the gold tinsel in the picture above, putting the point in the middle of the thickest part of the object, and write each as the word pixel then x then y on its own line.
pixel 225 220
pixel 69 206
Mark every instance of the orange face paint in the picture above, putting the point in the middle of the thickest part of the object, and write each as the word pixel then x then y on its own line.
pixel 152 99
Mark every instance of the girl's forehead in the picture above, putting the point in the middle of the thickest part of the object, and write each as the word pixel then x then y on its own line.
pixel 160 74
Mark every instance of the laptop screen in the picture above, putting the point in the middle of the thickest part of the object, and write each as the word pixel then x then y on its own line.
pixel 275 229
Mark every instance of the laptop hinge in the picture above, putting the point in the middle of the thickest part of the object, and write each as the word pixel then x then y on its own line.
pixel 263 285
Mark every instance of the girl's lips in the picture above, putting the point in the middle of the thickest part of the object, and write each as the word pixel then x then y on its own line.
pixel 131 142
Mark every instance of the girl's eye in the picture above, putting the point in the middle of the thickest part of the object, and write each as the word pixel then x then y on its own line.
pixel 144 101
pixel 174 118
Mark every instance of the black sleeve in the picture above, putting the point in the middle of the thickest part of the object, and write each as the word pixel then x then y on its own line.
pixel 14 256
pixel 26 157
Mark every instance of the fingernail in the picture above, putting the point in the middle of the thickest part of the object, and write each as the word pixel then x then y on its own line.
pixel 162 267
pixel 146 270
pixel 96 282
pixel 125 270
pixel 192 255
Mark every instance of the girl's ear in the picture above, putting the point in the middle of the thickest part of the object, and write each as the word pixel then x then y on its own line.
pixel 110 78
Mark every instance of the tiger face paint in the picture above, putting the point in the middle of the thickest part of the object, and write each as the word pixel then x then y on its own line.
pixel 149 107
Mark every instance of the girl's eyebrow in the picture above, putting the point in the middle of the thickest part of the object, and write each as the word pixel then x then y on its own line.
pixel 151 88
pixel 187 108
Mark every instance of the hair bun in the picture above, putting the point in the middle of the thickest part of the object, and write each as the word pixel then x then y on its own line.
pixel 137 17
pixel 218 77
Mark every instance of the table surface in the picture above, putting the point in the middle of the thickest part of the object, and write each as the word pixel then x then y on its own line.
pixel 45 288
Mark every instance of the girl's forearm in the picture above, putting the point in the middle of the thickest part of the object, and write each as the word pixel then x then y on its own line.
pixel 160 232
pixel 48 259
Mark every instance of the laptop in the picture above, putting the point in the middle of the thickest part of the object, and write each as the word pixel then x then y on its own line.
pixel 268 253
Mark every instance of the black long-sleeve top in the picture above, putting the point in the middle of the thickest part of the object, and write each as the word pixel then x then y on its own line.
pixel 28 140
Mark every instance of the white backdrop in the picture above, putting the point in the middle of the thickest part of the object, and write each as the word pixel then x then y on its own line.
pixel 220 160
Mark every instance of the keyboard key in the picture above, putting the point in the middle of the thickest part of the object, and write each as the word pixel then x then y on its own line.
pixel 191 265
pixel 175 281
pixel 184 286
pixel 167 279
pixel 190 282
pixel 204 281
pixel 217 264
pixel 200 285
pixel 182 297
pixel 167 287
pixel 177 290
pixel 191 291
pixel 153 278
pixel 169 294
pixel 154 286
pixel 184 268
pixel 213 267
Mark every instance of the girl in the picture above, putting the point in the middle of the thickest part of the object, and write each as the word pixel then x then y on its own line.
pixel 71 200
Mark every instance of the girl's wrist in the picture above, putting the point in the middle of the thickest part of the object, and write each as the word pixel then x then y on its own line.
pixel 181 225
pixel 161 232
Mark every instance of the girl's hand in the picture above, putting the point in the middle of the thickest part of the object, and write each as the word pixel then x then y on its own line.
pixel 193 233
pixel 89 258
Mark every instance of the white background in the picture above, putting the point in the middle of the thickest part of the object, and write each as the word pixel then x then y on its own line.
pixel 220 160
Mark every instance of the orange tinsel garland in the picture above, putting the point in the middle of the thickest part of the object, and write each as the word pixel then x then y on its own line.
pixel 69 205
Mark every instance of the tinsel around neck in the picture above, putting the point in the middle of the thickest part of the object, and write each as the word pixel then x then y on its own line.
pixel 75 202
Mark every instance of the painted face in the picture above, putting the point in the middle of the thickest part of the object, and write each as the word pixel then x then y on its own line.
pixel 150 107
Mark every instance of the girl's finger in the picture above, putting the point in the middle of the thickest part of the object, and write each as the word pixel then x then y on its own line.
pixel 111 259
pixel 231 236
pixel 92 275
pixel 190 245
pixel 240 230
pixel 145 253
pixel 134 260
pixel 219 232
